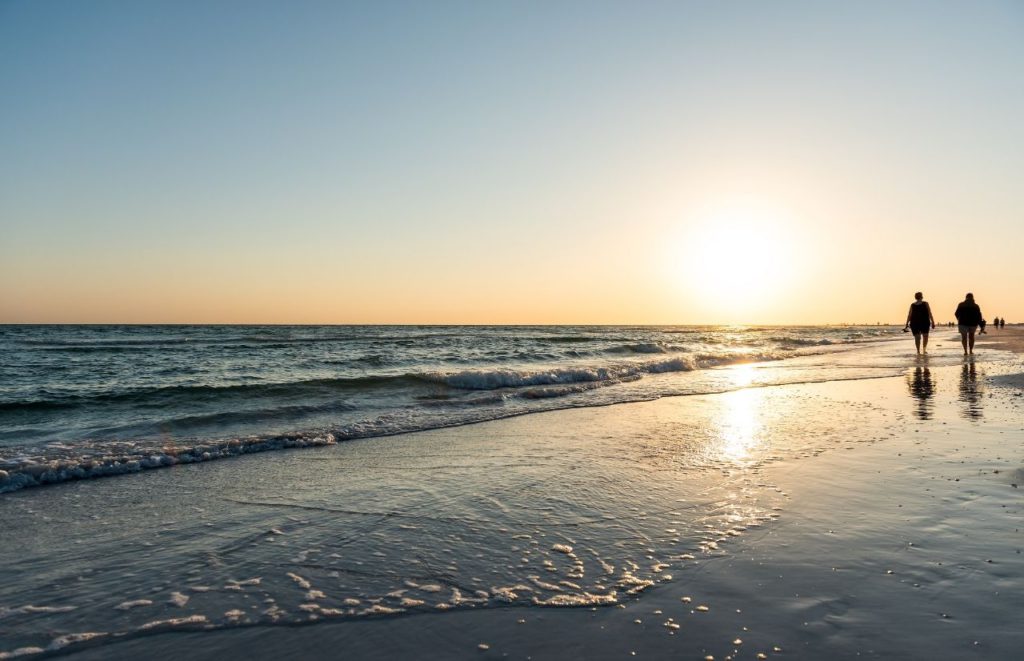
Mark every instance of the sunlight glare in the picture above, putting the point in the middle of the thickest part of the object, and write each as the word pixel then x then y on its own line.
pixel 741 427
pixel 738 253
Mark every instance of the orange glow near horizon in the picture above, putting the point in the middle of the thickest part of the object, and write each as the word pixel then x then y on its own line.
pixel 677 164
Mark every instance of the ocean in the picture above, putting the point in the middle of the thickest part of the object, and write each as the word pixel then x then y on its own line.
pixel 630 463
pixel 94 400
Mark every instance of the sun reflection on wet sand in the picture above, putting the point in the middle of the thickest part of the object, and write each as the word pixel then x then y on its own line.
pixel 741 425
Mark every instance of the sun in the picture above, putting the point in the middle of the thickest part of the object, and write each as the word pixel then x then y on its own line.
pixel 738 255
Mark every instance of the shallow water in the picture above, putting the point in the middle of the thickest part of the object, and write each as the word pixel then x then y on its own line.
pixel 94 401
pixel 587 507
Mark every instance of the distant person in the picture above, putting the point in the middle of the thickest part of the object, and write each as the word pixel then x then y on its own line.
pixel 968 318
pixel 919 321
pixel 1002 322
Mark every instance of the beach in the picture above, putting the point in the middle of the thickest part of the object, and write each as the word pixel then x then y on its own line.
pixel 871 513
pixel 481 330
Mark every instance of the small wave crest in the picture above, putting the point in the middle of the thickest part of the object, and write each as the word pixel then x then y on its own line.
pixel 802 341
pixel 181 393
pixel 121 458
pixel 508 378
pixel 642 347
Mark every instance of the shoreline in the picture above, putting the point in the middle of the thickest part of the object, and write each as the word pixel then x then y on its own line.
pixel 907 573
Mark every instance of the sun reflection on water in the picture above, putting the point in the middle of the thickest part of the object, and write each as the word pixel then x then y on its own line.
pixel 741 425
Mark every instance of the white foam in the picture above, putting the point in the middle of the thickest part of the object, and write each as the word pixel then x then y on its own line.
pixel 575 600
pixel 301 582
pixel 118 458
pixel 174 622
pixel 509 593
pixel 178 599
pixel 71 638
pixel 249 581
pixel 21 651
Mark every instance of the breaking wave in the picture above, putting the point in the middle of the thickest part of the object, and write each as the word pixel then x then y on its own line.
pixel 222 391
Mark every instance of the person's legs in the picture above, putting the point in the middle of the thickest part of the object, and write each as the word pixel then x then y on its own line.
pixel 917 341
pixel 963 341
pixel 971 341
pixel 924 341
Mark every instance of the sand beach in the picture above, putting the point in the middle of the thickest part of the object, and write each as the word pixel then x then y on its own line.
pixel 865 517
pixel 489 330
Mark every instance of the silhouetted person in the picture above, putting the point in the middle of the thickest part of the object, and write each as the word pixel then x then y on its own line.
pixel 1002 322
pixel 968 318
pixel 919 320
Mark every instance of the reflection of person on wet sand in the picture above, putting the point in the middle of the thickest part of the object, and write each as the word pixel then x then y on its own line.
pixel 922 388
pixel 919 320
pixel 970 393
pixel 968 318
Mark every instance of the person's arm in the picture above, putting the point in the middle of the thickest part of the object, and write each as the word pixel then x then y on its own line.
pixel 930 316
pixel 910 312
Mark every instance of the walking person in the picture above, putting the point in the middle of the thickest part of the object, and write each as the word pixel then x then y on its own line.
pixel 968 318
pixel 920 321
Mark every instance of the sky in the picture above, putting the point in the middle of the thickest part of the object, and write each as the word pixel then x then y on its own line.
pixel 509 162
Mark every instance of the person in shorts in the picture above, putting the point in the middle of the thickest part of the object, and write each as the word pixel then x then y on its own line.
pixel 920 321
pixel 968 318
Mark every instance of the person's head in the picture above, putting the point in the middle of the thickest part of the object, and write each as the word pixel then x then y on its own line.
pixel 918 296
pixel 970 297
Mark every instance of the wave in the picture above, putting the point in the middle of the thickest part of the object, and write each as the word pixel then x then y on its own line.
pixel 60 462
pixel 473 379
pixel 381 389
pixel 642 347
pixel 803 341
pixel 509 378
pixel 121 458
pixel 567 339
pixel 169 394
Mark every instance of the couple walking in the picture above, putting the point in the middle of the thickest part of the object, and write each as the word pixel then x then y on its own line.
pixel 920 321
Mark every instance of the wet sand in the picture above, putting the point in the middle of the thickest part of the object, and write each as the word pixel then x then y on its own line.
pixel 1008 339
pixel 849 519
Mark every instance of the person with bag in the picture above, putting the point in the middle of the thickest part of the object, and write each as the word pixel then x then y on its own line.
pixel 920 321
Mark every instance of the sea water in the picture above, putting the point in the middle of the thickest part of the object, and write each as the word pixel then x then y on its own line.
pixel 586 507
pixel 90 401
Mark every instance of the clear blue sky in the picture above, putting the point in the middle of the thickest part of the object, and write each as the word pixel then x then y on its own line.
pixel 504 162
